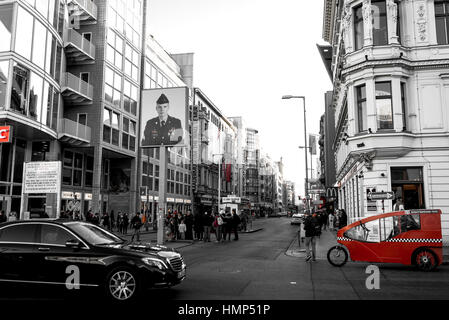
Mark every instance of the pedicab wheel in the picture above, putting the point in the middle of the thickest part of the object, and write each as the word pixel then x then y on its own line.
pixel 425 259
pixel 337 256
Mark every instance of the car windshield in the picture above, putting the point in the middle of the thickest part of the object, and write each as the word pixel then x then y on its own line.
pixel 93 234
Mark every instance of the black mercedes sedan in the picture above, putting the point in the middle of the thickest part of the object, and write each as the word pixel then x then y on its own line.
pixel 75 254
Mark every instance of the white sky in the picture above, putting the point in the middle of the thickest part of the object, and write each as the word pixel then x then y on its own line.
pixel 247 55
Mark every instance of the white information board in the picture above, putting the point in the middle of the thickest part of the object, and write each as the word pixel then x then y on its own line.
pixel 42 177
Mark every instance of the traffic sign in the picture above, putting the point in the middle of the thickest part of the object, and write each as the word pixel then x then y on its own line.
pixel 381 195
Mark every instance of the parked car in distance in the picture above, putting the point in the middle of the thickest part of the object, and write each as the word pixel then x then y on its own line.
pixel 40 252
pixel 297 218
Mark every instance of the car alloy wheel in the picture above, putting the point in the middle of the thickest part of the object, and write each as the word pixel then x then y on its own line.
pixel 122 285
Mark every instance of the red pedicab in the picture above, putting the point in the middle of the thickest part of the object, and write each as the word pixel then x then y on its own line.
pixel 410 237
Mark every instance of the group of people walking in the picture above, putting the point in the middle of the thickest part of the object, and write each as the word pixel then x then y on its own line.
pixel 200 226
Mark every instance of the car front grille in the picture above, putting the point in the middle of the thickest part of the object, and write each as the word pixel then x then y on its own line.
pixel 176 263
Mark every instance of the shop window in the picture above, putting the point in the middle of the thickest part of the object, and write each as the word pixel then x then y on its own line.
pixel 408 185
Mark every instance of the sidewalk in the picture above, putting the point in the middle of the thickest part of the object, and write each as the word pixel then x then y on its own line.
pixel 326 241
pixel 151 235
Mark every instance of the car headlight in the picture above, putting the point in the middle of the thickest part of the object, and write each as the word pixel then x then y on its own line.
pixel 154 262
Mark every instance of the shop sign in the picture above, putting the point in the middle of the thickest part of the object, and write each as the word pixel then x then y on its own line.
pixel 88 196
pixel 67 195
pixel 231 199
pixel 170 199
pixel 5 134
pixel 42 177
pixel 179 201
pixel 188 201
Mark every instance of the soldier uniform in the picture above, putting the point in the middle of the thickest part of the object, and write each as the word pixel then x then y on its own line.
pixel 157 131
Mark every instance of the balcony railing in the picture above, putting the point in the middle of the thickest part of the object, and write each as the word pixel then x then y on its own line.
pixel 84 10
pixel 75 90
pixel 78 48
pixel 73 132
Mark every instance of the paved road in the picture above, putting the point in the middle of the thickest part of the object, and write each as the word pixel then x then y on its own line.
pixel 260 266
pixel 264 266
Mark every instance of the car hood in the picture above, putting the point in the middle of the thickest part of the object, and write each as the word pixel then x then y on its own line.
pixel 145 248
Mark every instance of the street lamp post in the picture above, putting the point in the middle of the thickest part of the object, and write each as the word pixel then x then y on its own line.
pixel 305 142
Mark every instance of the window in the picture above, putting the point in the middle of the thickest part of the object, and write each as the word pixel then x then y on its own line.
pixel 6 13
pixel 129 134
pixel 39 44
pixel 358 28
pixel 72 172
pixel 113 87
pixel 403 106
pixel 442 21
pixel 114 49
pixel 384 105
pixel 4 75
pixel 54 235
pixel 361 108
pixel 389 228
pixel 19 233
pixel 379 13
pixel 19 92
pixel 89 171
pixel 24 36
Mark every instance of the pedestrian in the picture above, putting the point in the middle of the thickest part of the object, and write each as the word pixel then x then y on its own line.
pixel 207 225
pixel 189 225
pixel 227 226
pixel 182 230
pixel 331 221
pixel 198 226
pixel 136 224
pixel 235 224
pixel 218 224
pixel 111 220
pixel 343 219
pixel 399 205
pixel 125 223
pixel 312 229
pixel 119 222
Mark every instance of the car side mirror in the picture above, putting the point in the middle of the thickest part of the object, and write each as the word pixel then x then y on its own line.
pixel 75 244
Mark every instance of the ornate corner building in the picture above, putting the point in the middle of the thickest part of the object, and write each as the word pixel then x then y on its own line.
pixel 390 78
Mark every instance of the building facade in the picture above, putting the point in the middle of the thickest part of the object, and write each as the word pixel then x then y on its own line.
pixel 391 92
pixel 213 154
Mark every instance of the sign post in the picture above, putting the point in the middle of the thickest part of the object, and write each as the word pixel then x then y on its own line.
pixel 373 196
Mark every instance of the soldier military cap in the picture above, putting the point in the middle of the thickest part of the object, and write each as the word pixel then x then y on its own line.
pixel 162 99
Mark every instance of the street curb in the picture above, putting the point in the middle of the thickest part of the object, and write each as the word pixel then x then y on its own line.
pixel 252 231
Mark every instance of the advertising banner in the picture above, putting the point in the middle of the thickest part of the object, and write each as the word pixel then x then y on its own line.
pixel 164 117
pixel 42 177
pixel 5 134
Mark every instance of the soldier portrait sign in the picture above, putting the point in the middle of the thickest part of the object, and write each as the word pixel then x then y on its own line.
pixel 164 117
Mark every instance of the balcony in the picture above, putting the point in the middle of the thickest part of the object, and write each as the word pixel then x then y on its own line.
pixel 75 90
pixel 82 11
pixel 74 133
pixel 77 48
